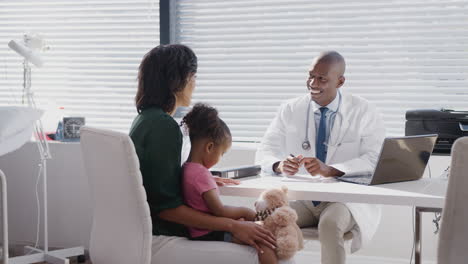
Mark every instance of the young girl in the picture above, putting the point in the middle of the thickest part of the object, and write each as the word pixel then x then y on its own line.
pixel 210 138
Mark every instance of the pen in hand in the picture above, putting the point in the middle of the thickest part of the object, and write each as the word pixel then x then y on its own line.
pixel 293 164
pixel 295 158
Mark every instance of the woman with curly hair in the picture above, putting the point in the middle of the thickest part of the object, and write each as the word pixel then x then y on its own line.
pixel 166 80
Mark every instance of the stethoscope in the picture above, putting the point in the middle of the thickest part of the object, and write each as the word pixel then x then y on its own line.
pixel 306 143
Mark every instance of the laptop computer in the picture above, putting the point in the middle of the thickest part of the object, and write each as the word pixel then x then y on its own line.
pixel 400 159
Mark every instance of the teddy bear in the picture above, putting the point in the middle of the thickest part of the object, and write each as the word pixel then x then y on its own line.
pixel 274 213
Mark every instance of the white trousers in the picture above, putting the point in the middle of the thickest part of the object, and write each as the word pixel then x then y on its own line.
pixel 333 220
pixel 178 250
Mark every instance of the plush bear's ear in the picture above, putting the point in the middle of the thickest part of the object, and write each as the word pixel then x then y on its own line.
pixel 284 189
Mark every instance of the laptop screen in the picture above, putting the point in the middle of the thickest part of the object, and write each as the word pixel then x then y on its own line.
pixel 403 158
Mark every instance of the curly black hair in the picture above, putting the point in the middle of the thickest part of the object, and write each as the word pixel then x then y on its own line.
pixel 164 71
pixel 203 122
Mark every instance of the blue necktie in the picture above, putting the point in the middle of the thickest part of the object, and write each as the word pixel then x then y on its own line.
pixel 320 152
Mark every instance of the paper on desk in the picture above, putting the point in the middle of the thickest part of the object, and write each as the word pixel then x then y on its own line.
pixel 307 178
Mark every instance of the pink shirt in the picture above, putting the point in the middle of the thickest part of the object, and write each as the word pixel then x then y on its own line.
pixel 197 180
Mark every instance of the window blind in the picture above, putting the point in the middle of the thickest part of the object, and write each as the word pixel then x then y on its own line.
pixel 254 54
pixel 95 50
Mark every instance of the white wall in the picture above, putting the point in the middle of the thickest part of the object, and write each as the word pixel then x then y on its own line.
pixel 70 204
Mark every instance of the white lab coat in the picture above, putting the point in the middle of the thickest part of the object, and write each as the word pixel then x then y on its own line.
pixel 354 145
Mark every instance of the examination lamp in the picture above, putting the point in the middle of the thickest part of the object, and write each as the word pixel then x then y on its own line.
pixel 28 47
pixel 32 42
pixel 27 53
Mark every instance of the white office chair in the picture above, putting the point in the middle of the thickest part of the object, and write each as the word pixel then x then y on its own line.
pixel 454 229
pixel 122 228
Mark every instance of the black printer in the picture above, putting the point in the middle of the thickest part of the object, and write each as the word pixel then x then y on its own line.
pixel 448 124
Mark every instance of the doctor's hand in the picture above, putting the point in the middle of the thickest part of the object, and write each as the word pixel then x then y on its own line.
pixel 315 166
pixel 290 165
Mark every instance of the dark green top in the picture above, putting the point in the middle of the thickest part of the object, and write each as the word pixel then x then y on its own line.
pixel 158 143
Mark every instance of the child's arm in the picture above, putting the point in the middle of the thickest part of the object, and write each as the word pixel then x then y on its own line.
pixel 218 209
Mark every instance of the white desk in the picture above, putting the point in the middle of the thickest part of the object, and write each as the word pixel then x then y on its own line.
pixel 426 195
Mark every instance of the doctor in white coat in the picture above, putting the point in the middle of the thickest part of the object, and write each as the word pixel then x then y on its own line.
pixel 330 133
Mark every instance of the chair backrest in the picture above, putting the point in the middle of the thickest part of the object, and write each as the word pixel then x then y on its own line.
pixel 454 227
pixel 122 228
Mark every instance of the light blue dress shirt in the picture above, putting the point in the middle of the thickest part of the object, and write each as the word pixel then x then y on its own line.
pixel 330 115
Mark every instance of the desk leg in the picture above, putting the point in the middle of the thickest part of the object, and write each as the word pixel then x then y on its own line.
pixel 418 232
pixel 417 236
pixel 3 195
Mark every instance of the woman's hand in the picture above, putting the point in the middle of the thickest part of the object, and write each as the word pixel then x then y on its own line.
pixel 224 181
pixel 252 234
